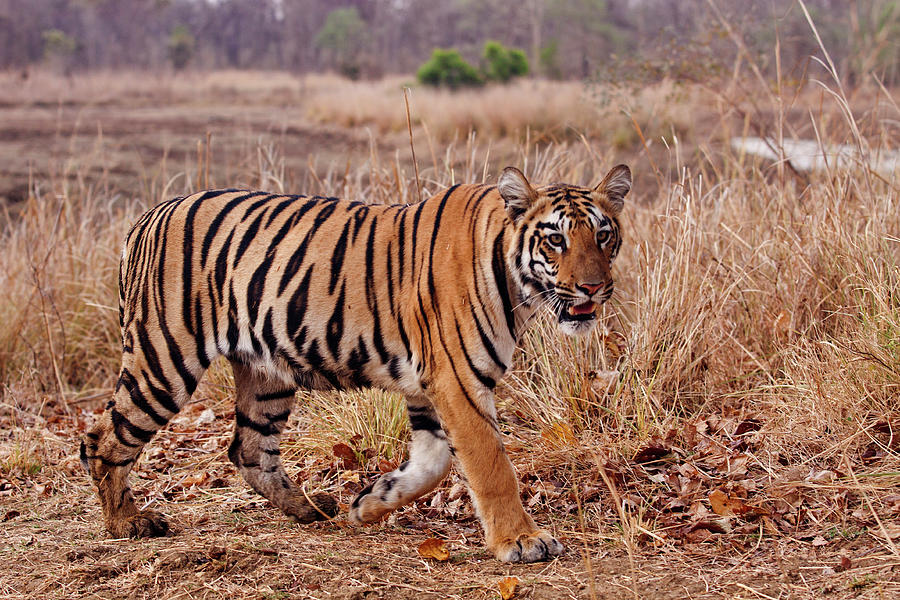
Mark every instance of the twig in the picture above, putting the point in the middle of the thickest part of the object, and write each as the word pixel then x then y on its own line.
pixel 206 170
pixel 411 146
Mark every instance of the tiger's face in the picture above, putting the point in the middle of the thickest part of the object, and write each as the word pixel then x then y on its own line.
pixel 567 238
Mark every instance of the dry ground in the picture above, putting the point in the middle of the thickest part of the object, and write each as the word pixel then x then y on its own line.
pixel 228 542
pixel 730 433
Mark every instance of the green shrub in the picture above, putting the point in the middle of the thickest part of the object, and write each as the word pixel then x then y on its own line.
pixel 342 38
pixel 58 44
pixel 502 63
pixel 181 47
pixel 447 68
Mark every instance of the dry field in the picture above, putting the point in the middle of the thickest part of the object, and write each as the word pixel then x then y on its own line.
pixel 730 432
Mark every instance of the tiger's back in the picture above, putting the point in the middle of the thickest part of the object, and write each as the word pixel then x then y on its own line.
pixel 318 293
pixel 323 292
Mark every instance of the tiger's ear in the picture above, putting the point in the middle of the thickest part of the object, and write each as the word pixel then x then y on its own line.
pixel 516 192
pixel 615 186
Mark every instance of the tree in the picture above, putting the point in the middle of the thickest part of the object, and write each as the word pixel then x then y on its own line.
pixel 342 37
pixel 181 47
pixel 59 47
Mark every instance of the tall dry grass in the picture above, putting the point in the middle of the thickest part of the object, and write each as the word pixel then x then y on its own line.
pixel 739 285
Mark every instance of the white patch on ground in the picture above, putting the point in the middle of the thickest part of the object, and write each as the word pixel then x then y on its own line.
pixel 809 155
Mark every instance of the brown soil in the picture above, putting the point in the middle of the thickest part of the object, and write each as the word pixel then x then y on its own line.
pixel 227 541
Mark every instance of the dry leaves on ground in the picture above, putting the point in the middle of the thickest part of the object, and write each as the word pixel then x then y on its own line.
pixel 435 549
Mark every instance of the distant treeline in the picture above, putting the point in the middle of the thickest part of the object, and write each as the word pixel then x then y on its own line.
pixel 368 38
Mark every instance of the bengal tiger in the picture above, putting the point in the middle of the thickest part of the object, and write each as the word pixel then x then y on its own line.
pixel 315 293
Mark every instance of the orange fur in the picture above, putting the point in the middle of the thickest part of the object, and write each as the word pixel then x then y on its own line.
pixel 427 300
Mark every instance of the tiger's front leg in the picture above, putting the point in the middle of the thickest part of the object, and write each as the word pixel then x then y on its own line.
pixel 428 464
pixel 510 532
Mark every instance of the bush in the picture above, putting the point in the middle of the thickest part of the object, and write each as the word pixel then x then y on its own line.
pixel 448 68
pixel 181 47
pixel 502 63
pixel 342 38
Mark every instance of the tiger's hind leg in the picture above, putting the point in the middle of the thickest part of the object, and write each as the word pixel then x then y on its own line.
pixel 428 464
pixel 261 411
pixel 140 407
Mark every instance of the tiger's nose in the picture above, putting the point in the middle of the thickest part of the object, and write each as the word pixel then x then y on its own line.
pixel 590 288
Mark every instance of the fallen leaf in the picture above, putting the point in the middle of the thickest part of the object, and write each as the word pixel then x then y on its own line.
pixel 343 451
pixel 198 478
pixel 206 417
pixel 351 476
pixel 650 453
pixel 434 548
pixel 559 435
pixel 889 530
pixel 507 587
pixel 819 541
pixel 726 506
pixel 748 426
pixel 10 514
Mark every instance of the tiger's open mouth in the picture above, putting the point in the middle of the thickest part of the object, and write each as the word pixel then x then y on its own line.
pixel 585 311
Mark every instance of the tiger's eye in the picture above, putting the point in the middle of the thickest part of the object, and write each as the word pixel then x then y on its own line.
pixel 602 237
pixel 556 239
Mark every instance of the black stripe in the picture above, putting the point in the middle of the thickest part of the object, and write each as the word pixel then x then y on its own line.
pixel 279 208
pixel 498 264
pixel 163 397
pixel 401 247
pixel 359 218
pixel 432 291
pixel 371 285
pixel 486 341
pixel 266 429
pixel 268 333
pixel 247 238
pixel 334 330
pixel 232 334
pixel 337 257
pixel 390 280
pixel 255 290
pixel 485 380
pixel 222 267
pixel 213 312
pixel 464 391
pixel 188 379
pixel 221 215
pixel 127 380
pixel 150 355
pixel 279 395
pixel 200 337
pixel 296 308
pixel 296 261
pixel 119 422
pixel 357 361
pixel 423 422
pixel 315 360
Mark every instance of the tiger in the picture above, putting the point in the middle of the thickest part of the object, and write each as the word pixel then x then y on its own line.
pixel 316 293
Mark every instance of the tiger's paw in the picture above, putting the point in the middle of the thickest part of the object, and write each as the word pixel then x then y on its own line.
pixel 145 523
pixel 368 507
pixel 323 508
pixel 528 548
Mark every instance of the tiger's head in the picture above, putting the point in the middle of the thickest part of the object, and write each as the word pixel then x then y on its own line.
pixel 565 242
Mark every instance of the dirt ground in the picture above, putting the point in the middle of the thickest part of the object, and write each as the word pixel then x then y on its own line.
pixel 227 541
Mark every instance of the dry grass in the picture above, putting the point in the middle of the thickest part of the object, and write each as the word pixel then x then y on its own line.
pixel 751 349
